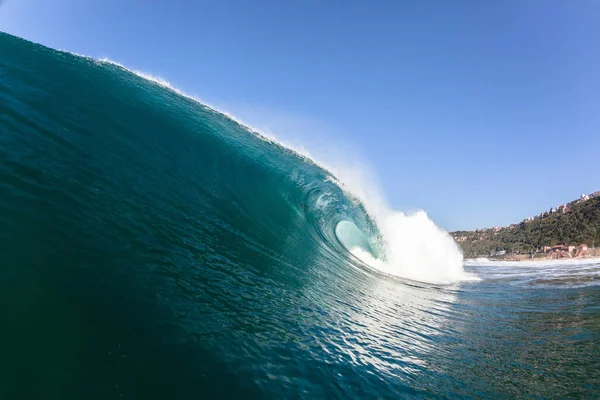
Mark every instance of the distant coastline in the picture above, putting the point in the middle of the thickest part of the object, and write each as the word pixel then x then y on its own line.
pixel 537 258
pixel 571 230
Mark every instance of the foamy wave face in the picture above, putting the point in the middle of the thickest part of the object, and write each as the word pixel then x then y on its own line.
pixel 417 249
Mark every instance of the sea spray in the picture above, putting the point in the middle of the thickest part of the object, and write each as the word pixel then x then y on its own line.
pixel 413 246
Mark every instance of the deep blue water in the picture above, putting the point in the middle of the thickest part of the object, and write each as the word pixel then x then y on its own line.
pixel 151 247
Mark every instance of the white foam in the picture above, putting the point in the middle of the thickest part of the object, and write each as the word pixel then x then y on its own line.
pixel 565 272
pixel 415 247
pixel 544 262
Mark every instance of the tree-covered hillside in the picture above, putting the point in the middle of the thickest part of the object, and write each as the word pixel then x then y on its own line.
pixel 580 224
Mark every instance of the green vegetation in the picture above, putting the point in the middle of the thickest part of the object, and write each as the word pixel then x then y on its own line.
pixel 580 224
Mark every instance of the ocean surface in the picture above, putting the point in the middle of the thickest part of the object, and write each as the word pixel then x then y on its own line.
pixel 152 247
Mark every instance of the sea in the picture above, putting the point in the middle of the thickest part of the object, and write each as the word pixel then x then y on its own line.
pixel 153 247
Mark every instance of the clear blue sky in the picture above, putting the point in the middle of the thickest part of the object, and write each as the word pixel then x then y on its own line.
pixel 482 113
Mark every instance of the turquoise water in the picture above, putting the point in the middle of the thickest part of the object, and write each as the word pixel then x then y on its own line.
pixel 151 247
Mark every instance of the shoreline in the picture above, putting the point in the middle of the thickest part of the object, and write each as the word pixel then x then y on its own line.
pixel 527 258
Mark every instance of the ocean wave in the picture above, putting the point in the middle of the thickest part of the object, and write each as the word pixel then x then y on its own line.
pixel 412 246
pixel 409 245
